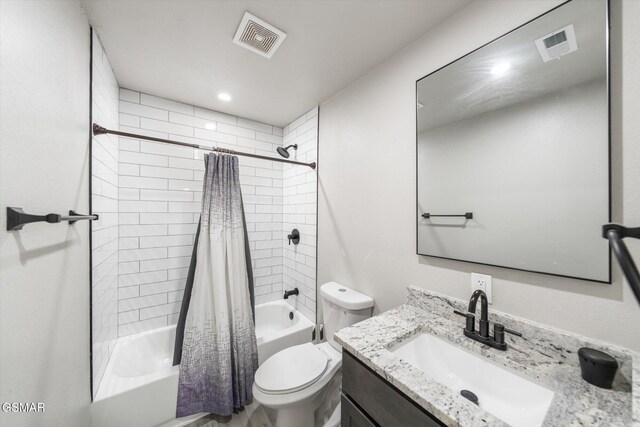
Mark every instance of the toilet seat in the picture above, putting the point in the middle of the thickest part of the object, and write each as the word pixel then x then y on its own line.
pixel 291 369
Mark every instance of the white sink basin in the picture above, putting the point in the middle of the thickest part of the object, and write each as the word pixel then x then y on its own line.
pixel 506 395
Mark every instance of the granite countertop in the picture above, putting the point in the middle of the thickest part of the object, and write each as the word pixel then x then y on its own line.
pixel 543 354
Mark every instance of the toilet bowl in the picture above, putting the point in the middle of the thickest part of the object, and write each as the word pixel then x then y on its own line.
pixel 296 380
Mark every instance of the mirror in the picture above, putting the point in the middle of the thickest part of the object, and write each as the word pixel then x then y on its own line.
pixel 513 149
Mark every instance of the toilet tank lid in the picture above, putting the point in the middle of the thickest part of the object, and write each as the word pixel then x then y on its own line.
pixel 345 297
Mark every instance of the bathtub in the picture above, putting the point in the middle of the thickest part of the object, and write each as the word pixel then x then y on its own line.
pixel 139 387
pixel 279 326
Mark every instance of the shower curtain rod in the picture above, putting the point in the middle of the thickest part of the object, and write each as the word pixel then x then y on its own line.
pixel 99 130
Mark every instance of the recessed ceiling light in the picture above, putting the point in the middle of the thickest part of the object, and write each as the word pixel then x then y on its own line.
pixel 210 126
pixel 501 68
pixel 224 97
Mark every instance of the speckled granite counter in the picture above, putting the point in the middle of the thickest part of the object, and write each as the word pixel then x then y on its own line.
pixel 543 354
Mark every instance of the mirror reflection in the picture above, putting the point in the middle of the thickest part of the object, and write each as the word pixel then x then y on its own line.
pixel 513 149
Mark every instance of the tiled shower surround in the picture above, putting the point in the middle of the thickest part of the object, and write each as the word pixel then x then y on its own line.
pixel 159 203
pixel 299 207
pixel 104 195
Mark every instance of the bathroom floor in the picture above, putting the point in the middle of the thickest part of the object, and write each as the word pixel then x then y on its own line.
pixel 254 415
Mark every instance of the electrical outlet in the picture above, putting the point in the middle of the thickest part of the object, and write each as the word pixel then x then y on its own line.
pixel 483 282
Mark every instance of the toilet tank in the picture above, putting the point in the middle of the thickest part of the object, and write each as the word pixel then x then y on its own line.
pixel 342 307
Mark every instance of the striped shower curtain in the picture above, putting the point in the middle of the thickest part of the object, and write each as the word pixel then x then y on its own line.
pixel 215 338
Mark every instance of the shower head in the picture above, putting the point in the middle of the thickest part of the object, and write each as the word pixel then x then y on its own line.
pixel 284 151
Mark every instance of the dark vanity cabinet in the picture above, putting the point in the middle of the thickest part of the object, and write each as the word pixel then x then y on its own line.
pixel 369 400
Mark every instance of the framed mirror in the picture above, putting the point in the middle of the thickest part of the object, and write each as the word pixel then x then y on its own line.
pixel 513 149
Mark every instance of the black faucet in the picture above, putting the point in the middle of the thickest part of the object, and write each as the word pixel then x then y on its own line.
pixel 497 341
pixel 287 294
pixel 484 312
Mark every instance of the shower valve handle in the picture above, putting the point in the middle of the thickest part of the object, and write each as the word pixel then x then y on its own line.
pixel 294 237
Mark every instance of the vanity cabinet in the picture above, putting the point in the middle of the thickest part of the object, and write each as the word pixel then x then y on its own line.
pixel 369 400
pixel 352 416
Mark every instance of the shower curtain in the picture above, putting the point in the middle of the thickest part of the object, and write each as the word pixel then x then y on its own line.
pixel 215 337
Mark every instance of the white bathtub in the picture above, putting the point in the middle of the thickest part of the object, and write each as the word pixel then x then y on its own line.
pixel 139 387
pixel 275 330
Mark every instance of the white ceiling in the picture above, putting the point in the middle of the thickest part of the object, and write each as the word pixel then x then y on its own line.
pixel 183 49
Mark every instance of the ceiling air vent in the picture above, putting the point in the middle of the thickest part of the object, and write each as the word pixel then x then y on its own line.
pixel 258 36
pixel 558 43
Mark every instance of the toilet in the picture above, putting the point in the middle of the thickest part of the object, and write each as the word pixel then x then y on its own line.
pixel 296 380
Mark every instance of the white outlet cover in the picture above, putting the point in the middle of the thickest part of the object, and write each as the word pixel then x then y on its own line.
pixel 482 281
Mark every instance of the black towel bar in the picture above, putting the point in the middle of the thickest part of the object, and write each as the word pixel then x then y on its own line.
pixel 615 233
pixel 467 215
pixel 17 218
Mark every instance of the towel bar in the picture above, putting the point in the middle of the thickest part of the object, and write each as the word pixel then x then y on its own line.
pixel 467 215
pixel 17 218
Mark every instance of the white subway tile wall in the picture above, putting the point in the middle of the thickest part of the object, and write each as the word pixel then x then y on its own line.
pixel 160 191
pixel 104 188
pixel 299 210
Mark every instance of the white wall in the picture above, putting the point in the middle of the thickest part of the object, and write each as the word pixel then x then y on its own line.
pixel 299 207
pixel 366 209
pixel 160 202
pixel 104 232
pixel 44 167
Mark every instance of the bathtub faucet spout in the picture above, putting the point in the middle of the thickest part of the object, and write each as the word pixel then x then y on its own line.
pixel 287 294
